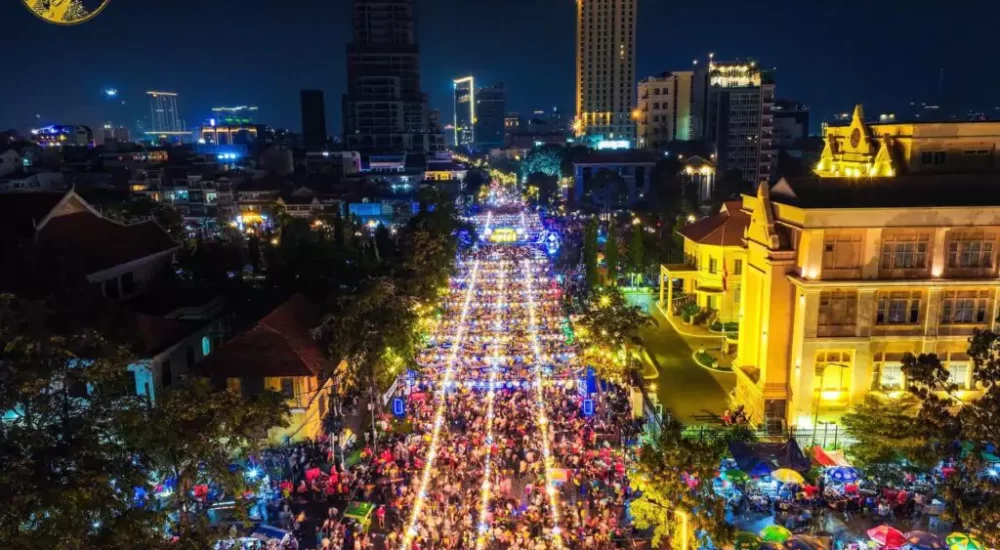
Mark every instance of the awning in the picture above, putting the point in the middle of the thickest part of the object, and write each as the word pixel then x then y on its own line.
pixel 829 458
pixel 764 458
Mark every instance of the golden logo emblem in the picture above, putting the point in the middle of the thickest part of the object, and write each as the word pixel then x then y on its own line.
pixel 66 12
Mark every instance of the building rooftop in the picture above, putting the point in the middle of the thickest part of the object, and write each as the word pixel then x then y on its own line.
pixel 101 243
pixel 910 191
pixel 724 228
pixel 280 344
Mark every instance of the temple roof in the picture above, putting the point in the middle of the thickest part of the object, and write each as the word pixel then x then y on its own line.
pixel 910 191
pixel 67 223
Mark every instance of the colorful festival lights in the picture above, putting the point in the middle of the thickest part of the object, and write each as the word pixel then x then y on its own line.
pixel 541 418
pixel 421 497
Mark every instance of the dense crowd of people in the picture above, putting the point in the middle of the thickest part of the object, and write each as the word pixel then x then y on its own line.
pixel 500 391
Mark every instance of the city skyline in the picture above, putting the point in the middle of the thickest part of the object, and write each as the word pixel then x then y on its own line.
pixel 830 75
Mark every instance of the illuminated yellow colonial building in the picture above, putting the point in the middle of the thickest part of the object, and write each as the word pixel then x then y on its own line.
pixel 867 150
pixel 843 276
pixel 712 272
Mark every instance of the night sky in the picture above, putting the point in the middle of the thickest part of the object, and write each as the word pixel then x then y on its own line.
pixel 829 55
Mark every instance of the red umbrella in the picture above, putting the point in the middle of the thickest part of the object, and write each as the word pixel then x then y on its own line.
pixel 887 536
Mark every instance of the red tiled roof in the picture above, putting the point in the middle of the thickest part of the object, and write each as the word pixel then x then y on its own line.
pixel 724 228
pixel 101 243
pixel 280 344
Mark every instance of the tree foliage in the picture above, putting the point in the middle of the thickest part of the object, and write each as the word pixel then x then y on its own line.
pixel 886 446
pixel 935 424
pixel 545 189
pixel 77 439
pixel 371 335
pixel 612 253
pixel 674 473
pixel 590 254
pixel 475 179
pixel 608 187
pixel 965 434
pixel 544 159
pixel 196 435
pixel 637 250
pixel 67 456
pixel 607 326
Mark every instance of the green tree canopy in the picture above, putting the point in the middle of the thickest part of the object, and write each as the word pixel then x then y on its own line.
pixel 611 253
pixel 637 250
pixel 77 439
pixel 606 327
pixel 590 253
pixel 674 473
pixel 545 159
pixel 934 424
pixel 67 452
pixel 608 187
pixel 195 435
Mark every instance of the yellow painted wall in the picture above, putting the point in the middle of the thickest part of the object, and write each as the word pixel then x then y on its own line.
pixel 307 407
pixel 783 289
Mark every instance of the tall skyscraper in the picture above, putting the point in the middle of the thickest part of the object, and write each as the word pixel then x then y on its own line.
pixel 491 109
pixel 605 69
pixel 465 111
pixel 384 109
pixel 734 103
pixel 164 117
pixel 313 119
pixel 664 110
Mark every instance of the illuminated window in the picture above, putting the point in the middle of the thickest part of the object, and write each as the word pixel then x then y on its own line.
pixel 971 251
pixel 898 308
pixel 891 376
pixel 842 251
pixel 833 372
pixel 838 312
pixel 964 307
pixel 206 346
pixel 958 374
pixel 288 387
pixel 905 252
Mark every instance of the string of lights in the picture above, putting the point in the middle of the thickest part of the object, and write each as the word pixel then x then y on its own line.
pixel 484 504
pixel 541 418
pixel 442 403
